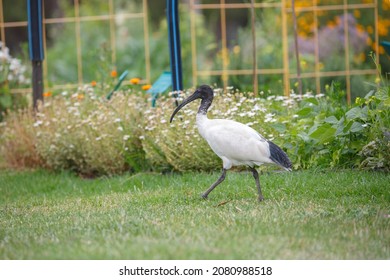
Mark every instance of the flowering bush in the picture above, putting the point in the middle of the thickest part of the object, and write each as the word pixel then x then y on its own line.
pixel 315 130
pixel 179 144
pixel 12 74
pixel 86 134
pixel 93 136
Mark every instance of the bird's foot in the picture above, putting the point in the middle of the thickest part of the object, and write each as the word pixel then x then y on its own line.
pixel 260 198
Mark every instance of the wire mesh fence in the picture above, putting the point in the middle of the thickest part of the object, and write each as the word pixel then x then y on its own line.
pixel 241 43
pixel 327 30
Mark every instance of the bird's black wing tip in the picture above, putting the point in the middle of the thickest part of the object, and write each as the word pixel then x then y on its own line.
pixel 279 156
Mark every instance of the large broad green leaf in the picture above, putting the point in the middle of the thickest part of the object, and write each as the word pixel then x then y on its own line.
pixel 304 112
pixel 340 127
pixel 323 133
pixel 356 127
pixel 312 100
pixel 357 113
pixel 371 93
pixel 347 127
pixel 331 120
pixel 382 94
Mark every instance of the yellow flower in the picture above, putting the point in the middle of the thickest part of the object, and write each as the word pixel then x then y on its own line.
pixel 381 50
pixel 386 5
pixel 114 73
pixel 303 64
pixel 369 41
pixel 360 28
pixel 135 81
pixel 356 13
pixel 331 24
pixel 370 30
pixel 358 101
pixel 93 83
pixel 382 28
pixel 359 58
pixel 338 20
pixel 146 87
pixel 80 96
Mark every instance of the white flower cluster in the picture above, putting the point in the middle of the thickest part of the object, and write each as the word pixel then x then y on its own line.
pixel 11 69
pixel 90 135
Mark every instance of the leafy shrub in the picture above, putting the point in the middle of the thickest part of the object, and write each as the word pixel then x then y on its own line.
pixel 375 109
pixel 12 75
pixel 329 134
pixel 315 130
pixel 93 136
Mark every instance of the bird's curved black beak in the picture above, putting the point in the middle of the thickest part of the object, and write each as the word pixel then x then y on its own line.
pixel 189 99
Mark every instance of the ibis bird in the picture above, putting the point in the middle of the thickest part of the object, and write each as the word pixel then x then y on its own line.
pixel 235 143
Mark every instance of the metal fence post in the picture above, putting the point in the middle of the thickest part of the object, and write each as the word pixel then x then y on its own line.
pixel 174 44
pixel 35 43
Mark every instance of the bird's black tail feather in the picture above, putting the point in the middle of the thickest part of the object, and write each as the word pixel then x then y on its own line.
pixel 279 156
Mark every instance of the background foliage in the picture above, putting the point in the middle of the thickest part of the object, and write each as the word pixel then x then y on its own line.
pixel 130 50
pixel 80 130
pixel 83 132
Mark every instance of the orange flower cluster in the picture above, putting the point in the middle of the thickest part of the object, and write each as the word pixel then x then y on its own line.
pixel 47 94
pixel 306 20
pixel 114 74
pixel 135 81
pixel 146 87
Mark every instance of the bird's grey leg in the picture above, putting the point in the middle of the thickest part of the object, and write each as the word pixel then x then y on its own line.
pixel 256 176
pixel 219 181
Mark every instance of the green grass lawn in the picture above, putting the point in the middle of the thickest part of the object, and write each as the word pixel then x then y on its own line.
pixel 305 215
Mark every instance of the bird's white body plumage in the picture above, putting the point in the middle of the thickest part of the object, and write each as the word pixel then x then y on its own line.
pixel 235 143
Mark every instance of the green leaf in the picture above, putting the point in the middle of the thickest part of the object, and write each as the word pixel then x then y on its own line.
pixel 331 120
pixel 304 112
pixel 312 100
pixel 279 127
pixel 356 127
pixel 387 102
pixel 356 113
pixel 323 133
pixel 348 126
pixel 368 95
pixel 323 151
pixel 382 94
pixel 6 101
pixel 340 127
pixel 304 136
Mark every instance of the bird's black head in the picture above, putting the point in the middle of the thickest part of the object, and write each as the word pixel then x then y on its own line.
pixel 205 93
